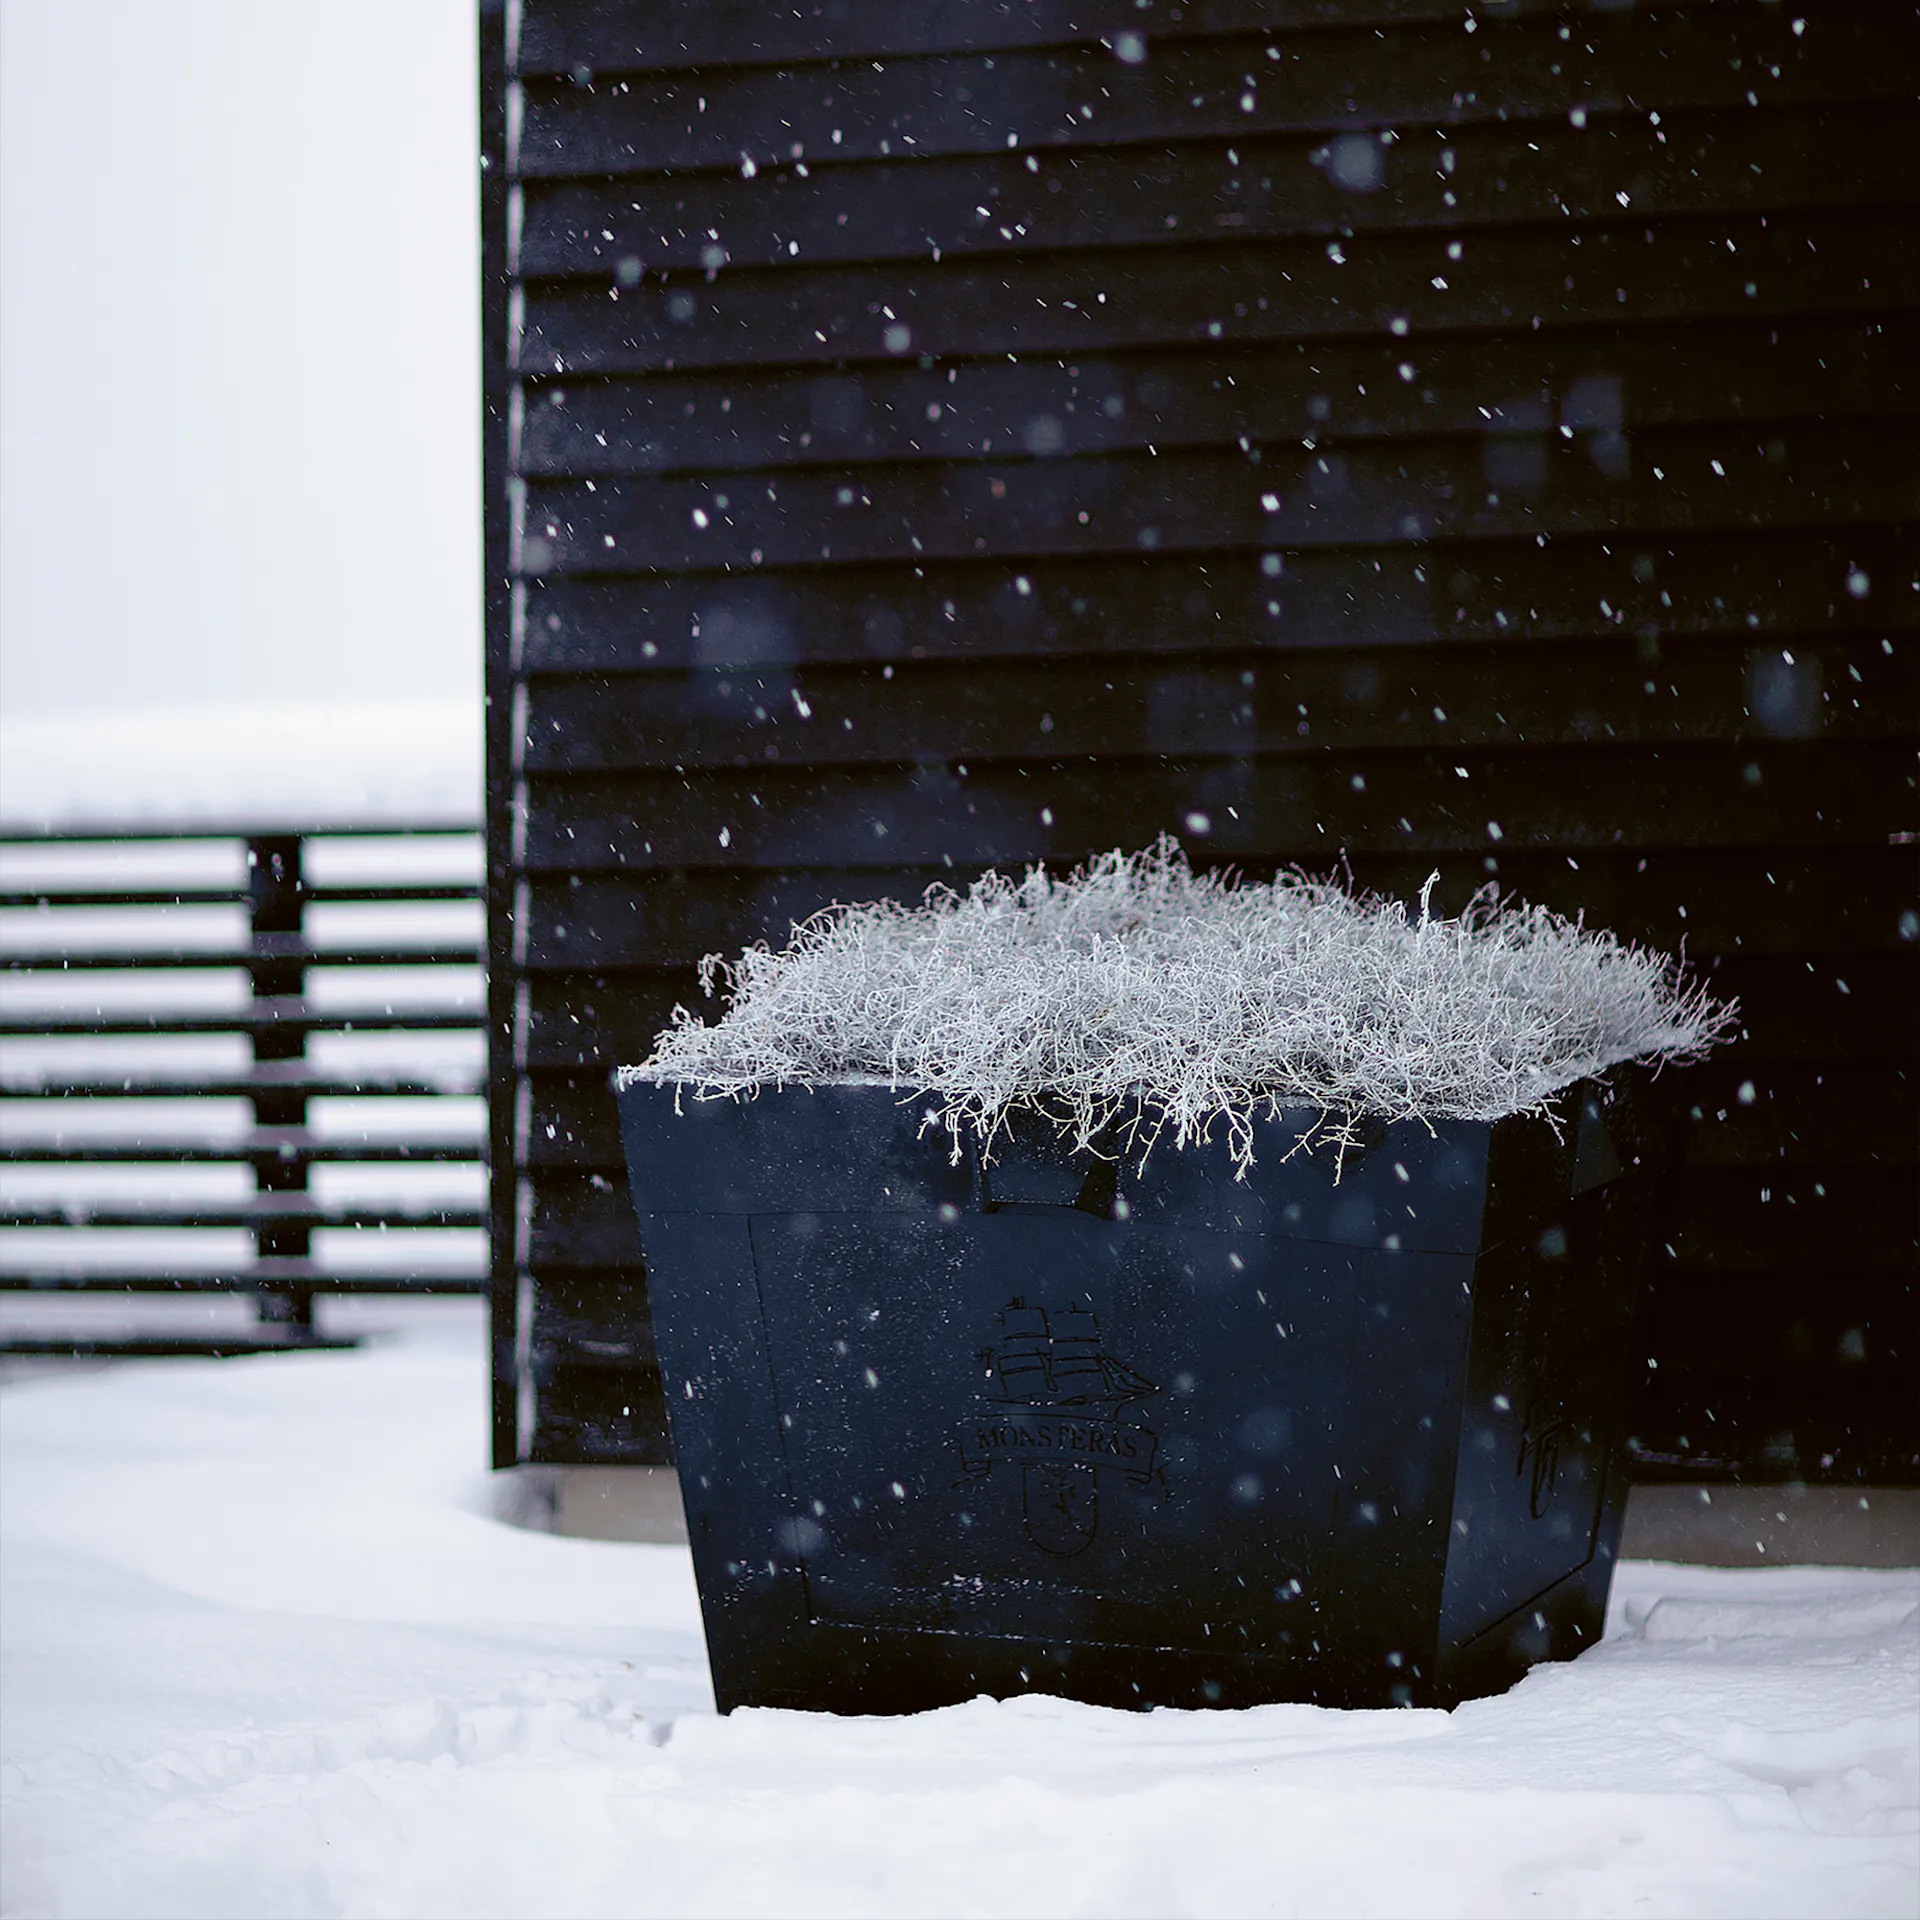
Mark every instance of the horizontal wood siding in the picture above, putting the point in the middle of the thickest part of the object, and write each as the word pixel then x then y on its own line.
pixel 1362 434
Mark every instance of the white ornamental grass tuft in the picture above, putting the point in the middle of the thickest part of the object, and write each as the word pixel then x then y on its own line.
pixel 1136 996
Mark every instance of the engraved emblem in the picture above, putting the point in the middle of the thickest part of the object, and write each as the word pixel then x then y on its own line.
pixel 1540 1451
pixel 1059 1408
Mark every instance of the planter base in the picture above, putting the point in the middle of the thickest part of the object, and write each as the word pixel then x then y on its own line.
pixel 1139 1439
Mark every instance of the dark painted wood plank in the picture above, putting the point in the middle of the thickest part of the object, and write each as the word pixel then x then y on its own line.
pixel 1858 1326
pixel 1821 905
pixel 1593 383
pixel 1748 1114
pixel 1793 1222
pixel 1294 704
pixel 1625 270
pixel 1792 1011
pixel 571 1122
pixel 595 1022
pixel 598 1316
pixel 1240 807
pixel 1806 1006
pixel 496 408
pixel 832 110
pixel 587 1415
pixel 580 1224
pixel 1458 179
pixel 1725 1427
pixel 1683 584
pixel 1490 486
pixel 1743 1114
pixel 1825 900
pixel 1723 1221
pixel 597 1388
pixel 619 36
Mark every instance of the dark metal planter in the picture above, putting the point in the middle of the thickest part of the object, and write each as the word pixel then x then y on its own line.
pixel 1158 1438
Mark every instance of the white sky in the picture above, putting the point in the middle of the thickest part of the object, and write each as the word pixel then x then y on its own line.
pixel 239 358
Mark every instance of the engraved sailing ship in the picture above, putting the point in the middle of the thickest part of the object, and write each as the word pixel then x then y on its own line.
pixel 1058 1406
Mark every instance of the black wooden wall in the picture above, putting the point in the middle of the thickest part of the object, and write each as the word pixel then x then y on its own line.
pixel 1367 430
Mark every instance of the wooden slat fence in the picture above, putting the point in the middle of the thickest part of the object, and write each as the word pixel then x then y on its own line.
pixel 247 1063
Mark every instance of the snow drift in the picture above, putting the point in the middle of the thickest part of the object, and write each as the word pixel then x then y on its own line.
pixel 1136 996
pixel 265 1655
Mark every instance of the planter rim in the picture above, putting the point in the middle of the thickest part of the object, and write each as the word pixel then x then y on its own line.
pixel 644 1076
pixel 909 1090
pixel 655 1077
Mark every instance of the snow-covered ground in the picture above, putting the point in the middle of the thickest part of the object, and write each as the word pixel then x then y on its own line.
pixel 266 1651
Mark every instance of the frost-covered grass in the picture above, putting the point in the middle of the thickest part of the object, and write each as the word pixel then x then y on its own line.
pixel 1137 994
